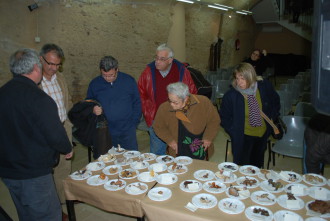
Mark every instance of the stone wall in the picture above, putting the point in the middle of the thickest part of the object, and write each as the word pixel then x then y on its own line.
pixel 127 30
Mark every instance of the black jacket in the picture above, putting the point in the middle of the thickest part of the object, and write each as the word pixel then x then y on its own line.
pixel 31 133
pixel 317 138
pixel 89 129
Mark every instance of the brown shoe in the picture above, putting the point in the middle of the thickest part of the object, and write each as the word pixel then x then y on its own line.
pixel 65 217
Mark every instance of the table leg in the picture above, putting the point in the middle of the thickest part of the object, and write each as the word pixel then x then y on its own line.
pixel 70 208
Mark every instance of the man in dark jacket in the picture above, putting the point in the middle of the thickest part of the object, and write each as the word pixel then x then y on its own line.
pixel 317 138
pixel 32 136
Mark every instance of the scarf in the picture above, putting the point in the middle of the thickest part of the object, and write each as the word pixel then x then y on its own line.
pixel 255 119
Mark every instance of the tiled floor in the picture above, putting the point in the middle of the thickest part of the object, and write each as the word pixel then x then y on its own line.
pixel 87 213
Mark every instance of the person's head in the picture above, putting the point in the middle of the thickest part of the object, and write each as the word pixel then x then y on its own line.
pixel 178 94
pixel 164 57
pixel 109 68
pixel 244 76
pixel 52 57
pixel 26 62
pixel 255 55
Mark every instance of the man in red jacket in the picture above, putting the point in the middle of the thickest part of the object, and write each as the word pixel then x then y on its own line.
pixel 152 84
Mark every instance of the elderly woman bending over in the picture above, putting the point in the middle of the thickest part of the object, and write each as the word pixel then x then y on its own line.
pixel 187 123
pixel 241 118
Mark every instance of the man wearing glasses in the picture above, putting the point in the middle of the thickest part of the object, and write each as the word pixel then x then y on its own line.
pixel 54 84
pixel 119 97
pixel 152 84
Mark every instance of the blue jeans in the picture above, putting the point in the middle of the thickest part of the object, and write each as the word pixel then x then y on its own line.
pixel 127 141
pixel 35 199
pixel 157 146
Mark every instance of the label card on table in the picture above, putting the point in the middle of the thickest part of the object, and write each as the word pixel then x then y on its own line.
pixel 292 204
pixel 321 194
pixel 297 190
pixel 191 207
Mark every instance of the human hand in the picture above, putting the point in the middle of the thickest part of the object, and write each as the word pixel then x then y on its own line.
pixel 69 155
pixel 97 110
pixel 206 144
pixel 174 146
pixel 264 52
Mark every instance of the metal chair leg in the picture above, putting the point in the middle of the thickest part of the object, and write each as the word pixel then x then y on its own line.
pixel 89 154
pixel 227 144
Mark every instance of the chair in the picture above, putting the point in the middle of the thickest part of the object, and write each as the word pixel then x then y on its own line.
pixel 304 109
pixel 292 142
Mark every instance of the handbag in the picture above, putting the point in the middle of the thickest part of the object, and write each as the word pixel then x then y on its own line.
pixel 279 127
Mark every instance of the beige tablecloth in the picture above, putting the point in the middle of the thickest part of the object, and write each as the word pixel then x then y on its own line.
pixel 171 209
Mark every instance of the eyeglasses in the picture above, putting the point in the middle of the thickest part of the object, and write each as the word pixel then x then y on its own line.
pixel 52 64
pixel 161 59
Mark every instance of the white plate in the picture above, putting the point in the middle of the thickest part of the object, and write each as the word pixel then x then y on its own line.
pixel 233 167
pixel 123 161
pixel 166 178
pixel 231 206
pixel 123 175
pixel 107 158
pixel 240 182
pixel 158 167
pixel 249 170
pixel 193 187
pixel 282 201
pixel 257 216
pixel 263 198
pixel 96 181
pixel 224 178
pixel 81 175
pixel 178 169
pixel 160 194
pixel 303 188
pixel 269 188
pixel 115 151
pixel 95 166
pixel 313 213
pixel 315 219
pixel 199 201
pixel 269 174
pixel 136 188
pixel 146 177
pixel 113 186
pixel 132 154
pixel 165 159
pixel 138 165
pixel 243 193
pixel 282 215
pixel 290 177
pixel 204 175
pixel 317 180
pixel 148 156
pixel 221 187
pixel 319 193
pixel 106 170
pixel 184 160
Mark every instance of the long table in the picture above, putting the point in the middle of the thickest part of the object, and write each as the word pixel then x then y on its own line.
pixel 171 209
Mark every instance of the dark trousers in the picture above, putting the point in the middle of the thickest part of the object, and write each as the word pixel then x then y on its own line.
pixel 35 199
pixel 126 140
pixel 253 151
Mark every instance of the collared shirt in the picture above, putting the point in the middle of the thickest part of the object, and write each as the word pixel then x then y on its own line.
pixel 165 73
pixel 53 89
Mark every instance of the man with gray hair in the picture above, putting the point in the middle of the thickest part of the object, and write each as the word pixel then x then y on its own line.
pixel 54 84
pixel 152 84
pixel 119 97
pixel 31 138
